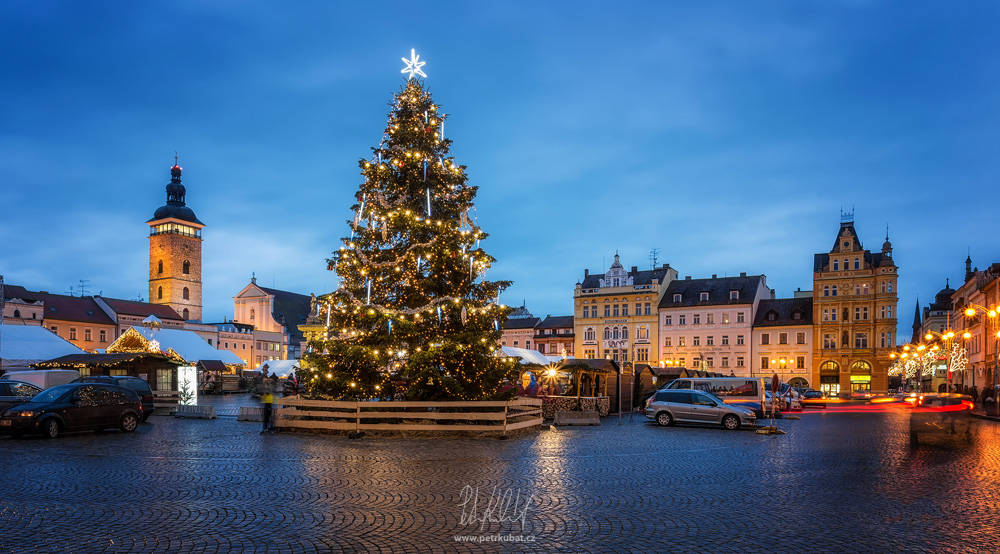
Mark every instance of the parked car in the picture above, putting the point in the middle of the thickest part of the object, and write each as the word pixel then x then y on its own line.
pixel 813 399
pixel 73 407
pixel 13 393
pixel 941 414
pixel 861 394
pixel 693 406
pixel 140 386
pixel 43 378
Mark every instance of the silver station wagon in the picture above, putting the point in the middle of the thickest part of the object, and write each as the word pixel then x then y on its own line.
pixel 693 406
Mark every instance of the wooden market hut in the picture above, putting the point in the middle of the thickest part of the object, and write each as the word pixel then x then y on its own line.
pixel 159 370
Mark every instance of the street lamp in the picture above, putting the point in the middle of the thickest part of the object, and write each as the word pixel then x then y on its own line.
pixel 971 311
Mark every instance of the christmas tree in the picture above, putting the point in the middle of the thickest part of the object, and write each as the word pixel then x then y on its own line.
pixel 412 310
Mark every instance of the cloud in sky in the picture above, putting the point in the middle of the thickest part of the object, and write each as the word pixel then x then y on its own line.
pixel 729 135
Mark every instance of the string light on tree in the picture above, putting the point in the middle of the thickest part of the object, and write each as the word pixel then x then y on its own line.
pixel 413 309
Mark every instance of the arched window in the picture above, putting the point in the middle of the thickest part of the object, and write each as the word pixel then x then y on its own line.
pixel 17 313
pixel 187 294
pixel 826 291
pixel 186 313
pixel 159 293
pixel 607 333
pixel 857 263
pixel 615 333
pixel 834 290
pixel 590 334
pixel 251 314
pixel 624 332
pixel 159 267
pixel 861 367
pixel 643 332
pixel 187 267
pixel 829 367
pixel 836 265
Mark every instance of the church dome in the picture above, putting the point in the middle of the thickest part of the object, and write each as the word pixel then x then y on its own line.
pixel 175 207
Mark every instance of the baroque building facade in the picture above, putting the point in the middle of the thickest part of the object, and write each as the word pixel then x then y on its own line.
pixel 854 314
pixel 615 313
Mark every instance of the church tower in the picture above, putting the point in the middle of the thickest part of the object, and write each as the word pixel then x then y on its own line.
pixel 175 253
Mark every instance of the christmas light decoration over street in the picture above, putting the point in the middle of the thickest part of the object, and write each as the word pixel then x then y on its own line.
pixel 413 65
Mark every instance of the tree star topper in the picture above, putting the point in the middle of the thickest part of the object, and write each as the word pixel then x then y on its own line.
pixel 413 65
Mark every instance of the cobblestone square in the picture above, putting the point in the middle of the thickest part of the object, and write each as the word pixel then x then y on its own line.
pixel 834 483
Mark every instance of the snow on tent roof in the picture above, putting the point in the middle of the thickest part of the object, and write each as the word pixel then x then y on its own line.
pixel 21 345
pixel 527 356
pixel 281 368
pixel 188 345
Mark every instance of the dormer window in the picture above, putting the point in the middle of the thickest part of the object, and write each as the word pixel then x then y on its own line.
pixel 796 315
pixel 703 297
pixel 734 295
pixel 772 316
pixel 677 298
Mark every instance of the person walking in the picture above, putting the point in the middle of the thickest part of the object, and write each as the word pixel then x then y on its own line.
pixel 268 405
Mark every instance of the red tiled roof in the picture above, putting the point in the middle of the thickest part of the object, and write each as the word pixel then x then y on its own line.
pixel 131 307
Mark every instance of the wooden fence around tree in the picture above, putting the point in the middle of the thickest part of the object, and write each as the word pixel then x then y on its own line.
pixel 482 416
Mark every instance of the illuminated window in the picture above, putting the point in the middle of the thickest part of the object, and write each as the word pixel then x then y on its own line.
pixel 72 333
pixel 103 335
pixel 187 267
pixel 251 314
pixel 680 341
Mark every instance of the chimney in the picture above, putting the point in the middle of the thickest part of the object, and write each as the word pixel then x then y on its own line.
pixel 586 273
pixel 635 269
pixel 772 294
pixel 743 274
pixel 687 277
pixel 714 276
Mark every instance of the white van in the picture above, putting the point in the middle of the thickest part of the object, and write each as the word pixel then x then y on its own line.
pixel 742 391
pixel 44 378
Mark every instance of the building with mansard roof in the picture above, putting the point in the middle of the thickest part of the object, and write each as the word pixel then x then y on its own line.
pixel 705 324
pixel 554 336
pixel 614 313
pixel 782 337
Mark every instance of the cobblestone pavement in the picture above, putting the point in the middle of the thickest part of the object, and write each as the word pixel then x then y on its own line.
pixel 834 483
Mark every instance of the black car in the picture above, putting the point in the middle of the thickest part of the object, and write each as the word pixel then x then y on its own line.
pixel 140 386
pixel 73 407
pixel 813 399
pixel 13 393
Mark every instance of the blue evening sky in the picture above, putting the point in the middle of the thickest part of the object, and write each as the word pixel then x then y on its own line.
pixel 727 134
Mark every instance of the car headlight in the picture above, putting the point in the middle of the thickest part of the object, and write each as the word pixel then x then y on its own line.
pixel 25 413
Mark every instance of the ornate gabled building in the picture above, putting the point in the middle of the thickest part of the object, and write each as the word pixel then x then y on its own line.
pixel 854 314
pixel 275 316
pixel 175 252
pixel 615 313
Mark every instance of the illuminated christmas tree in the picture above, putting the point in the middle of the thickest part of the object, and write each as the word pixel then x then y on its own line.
pixel 412 307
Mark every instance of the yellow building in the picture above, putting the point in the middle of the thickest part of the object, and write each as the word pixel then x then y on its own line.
pixel 854 314
pixel 615 313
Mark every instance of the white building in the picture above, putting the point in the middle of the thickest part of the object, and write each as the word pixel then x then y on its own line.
pixel 782 340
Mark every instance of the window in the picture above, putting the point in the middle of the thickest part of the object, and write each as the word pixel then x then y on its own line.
pixel 72 333
pixel 826 314
pixel 680 341
pixel 186 313
pixel 187 267
pixel 890 286
pixel 17 313
pixel 725 340
pixel 607 310
pixel 646 308
pixel 800 338
pixel 590 334
pixel 797 316
pixel 677 298
pixel 739 361
pixel 252 314
pixel 681 320
pixel 860 340
pixel 642 355
pixel 740 318
pixel 739 340
pixel 834 290
pixel 734 295
pixel 709 341
pixel 765 338
pixel 782 338
pixel 833 314
pixel 703 297
pixel 697 319
pixel 668 320
pixel 159 293
pixel 696 341
pixel 857 263
pixel 711 361
pixel 666 341
pixel 607 333
pixel 86 335
pixel 882 286
pixel 725 318
pixel 763 362
pixel 589 354
pixel 772 316
pixel 103 334
pixel 826 291
pixel 709 319
pixel 800 362
pixel 836 265
pixel 643 332
pixel 725 361
pixel 624 332
pixel 159 267
pixel 616 310
pixel 186 294
pixel 637 306
pixel 586 311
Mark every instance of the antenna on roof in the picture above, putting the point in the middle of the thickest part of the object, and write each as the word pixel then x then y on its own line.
pixel 83 286
pixel 654 258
